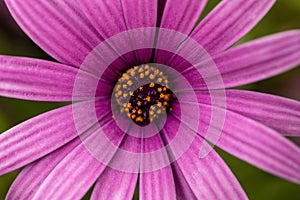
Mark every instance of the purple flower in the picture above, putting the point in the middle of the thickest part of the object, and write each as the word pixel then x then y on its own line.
pixel 137 89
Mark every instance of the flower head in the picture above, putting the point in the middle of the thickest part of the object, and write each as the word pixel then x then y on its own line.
pixel 150 95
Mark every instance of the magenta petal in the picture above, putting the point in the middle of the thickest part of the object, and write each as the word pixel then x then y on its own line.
pixel 43 134
pixel 228 22
pixel 183 190
pixel 114 184
pixel 32 176
pixel 72 177
pixel 105 16
pixel 272 111
pixel 53 25
pixel 141 14
pixel 255 143
pixel 182 15
pixel 156 184
pixel 259 59
pixel 78 171
pixel 209 177
pixel 269 110
pixel 35 79
pixel 260 146
pixel 35 138
pixel 253 61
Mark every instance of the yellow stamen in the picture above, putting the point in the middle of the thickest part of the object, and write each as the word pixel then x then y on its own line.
pixel 151 84
pixel 133 116
pixel 132 72
pixel 129 83
pixel 148 98
pixel 139 119
pixel 125 76
pixel 151 76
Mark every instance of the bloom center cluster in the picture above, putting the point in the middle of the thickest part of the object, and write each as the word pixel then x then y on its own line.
pixel 143 103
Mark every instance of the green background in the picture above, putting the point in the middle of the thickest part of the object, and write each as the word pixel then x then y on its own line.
pixel 284 15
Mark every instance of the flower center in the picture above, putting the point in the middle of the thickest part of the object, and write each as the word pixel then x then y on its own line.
pixel 144 102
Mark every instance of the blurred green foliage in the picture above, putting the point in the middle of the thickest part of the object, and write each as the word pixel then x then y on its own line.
pixel 284 15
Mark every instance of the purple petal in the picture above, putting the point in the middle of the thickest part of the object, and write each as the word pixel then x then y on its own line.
pixel 182 15
pixel 43 134
pixel 34 79
pixel 260 146
pixel 124 159
pixel 158 184
pixel 135 17
pixel 35 138
pixel 78 171
pixel 208 177
pixel 32 176
pixel 178 20
pixel 249 62
pixel 272 111
pixel 139 14
pixel 108 19
pixel 114 184
pixel 75 173
pixel 72 177
pixel 259 59
pixel 106 16
pixel 228 22
pixel 58 27
pixel 183 190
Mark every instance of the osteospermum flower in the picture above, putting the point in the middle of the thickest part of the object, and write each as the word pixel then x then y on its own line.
pixel 148 102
